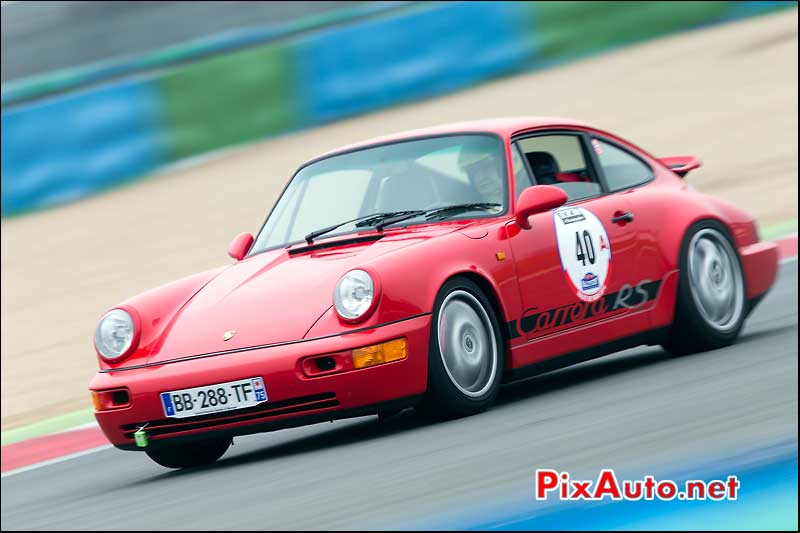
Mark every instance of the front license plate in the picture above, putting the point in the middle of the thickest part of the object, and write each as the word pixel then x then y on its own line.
pixel 214 398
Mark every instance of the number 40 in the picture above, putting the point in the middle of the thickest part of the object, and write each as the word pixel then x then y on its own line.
pixel 586 245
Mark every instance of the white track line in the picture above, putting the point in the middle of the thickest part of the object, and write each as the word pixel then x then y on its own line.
pixel 55 461
pixel 87 425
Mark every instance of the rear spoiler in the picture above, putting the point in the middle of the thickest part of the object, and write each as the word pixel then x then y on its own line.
pixel 681 164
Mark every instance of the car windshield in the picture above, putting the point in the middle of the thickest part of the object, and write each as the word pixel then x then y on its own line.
pixel 406 176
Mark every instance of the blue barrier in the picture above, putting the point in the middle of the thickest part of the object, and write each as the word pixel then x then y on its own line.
pixel 67 147
pixel 751 8
pixel 376 63
pixel 72 146
pixel 75 78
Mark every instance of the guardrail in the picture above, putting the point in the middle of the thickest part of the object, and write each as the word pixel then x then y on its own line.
pixel 71 145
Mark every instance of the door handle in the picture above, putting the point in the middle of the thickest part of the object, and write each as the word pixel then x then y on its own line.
pixel 622 217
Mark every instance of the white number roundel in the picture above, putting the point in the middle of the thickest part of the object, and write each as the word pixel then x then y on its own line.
pixel 585 251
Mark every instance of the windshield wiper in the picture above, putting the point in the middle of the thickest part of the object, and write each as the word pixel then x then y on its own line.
pixel 375 219
pixel 398 218
pixel 381 220
pixel 450 210
pixel 438 213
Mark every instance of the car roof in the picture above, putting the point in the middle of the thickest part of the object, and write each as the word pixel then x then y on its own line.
pixel 505 127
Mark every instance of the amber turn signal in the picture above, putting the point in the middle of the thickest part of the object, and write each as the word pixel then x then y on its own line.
pixel 96 400
pixel 105 400
pixel 378 354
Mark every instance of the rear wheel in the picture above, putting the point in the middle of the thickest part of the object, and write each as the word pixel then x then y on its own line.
pixel 465 355
pixel 711 301
pixel 190 454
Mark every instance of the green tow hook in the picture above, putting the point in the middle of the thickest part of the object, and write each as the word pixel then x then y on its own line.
pixel 141 437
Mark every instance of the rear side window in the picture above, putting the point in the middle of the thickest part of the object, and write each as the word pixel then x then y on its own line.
pixel 559 160
pixel 622 169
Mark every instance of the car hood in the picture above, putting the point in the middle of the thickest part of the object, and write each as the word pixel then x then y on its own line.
pixel 271 297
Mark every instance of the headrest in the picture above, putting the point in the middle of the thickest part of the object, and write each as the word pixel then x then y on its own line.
pixel 544 167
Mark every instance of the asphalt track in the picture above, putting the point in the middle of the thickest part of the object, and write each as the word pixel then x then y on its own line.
pixel 636 411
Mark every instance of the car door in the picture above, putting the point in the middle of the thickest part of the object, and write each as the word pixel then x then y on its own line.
pixel 625 172
pixel 576 266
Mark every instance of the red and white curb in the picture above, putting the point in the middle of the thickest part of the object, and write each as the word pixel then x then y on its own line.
pixel 49 449
pixel 42 451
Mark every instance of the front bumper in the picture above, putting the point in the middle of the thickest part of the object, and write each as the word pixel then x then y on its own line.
pixel 294 399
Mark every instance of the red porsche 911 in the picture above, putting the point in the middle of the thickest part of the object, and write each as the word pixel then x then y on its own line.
pixel 425 269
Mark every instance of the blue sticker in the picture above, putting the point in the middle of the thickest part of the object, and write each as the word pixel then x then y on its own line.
pixel 258 386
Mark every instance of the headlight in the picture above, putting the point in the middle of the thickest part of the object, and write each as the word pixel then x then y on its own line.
pixel 115 334
pixel 354 295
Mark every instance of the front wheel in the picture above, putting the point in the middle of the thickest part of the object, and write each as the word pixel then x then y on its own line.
pixel 190 454
pixel 465 355
pixel 711 302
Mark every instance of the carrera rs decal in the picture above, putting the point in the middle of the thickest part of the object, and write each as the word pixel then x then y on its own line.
pixel 627 298
pixel 585 251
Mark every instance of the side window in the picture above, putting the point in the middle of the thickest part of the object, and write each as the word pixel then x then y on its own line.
pixel 559 160
pixel 622 169
pixel 522 179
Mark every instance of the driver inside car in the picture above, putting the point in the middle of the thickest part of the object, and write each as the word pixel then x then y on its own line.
pixel 483 170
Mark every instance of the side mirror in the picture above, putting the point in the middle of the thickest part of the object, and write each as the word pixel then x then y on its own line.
pixel 240 245
pixel 538 199
pixel 682 164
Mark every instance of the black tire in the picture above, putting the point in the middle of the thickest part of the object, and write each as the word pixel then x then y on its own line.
pixel 444 398
pixel 692 331
pixel 189 455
